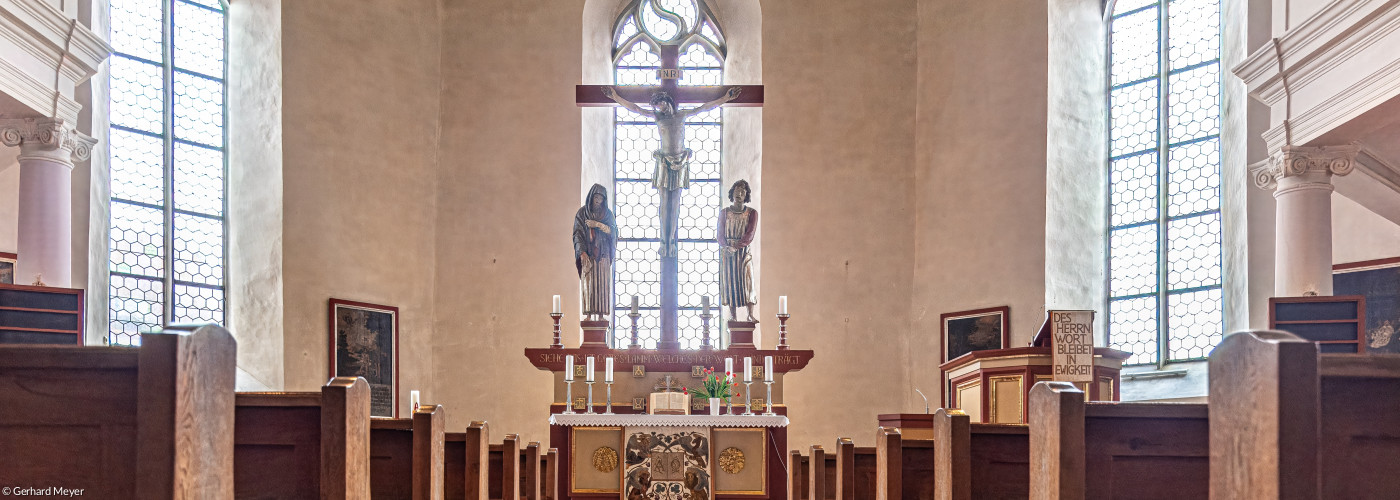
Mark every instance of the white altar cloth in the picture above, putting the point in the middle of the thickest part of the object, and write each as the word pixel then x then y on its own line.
pixel 638 420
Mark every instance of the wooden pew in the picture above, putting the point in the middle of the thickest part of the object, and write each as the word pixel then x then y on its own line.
pixel 152 422
pixel 505 474
pixel 1327 425
pixel 904 468
pixel 303 444
pixel 797 475
pixel 551 474
pixel 1116 450
pixel 530 466
pixel 466 469
pixel 855 470
pixel 406 455
pixel 976 460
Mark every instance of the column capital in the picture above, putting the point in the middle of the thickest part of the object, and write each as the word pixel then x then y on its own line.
pixel 51 139
pixel 1299 161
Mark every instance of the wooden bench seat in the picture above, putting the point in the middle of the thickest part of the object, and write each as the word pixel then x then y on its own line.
pixel 303 444
pixel 406 455
pixel 1116 450
pixel 904 468
pixel 1326 425
pixel 153 422
pixel 976 460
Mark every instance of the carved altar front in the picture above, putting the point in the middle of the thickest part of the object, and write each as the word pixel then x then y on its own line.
pixel 726 456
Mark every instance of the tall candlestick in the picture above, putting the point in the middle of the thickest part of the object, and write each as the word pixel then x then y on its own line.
pixel 782 304
pixel 558 309
pixel 748 370
pixel 767 368
pixel 608 369
pixel 588 372
pixel 569 368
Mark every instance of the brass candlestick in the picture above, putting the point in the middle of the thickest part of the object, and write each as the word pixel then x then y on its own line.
pixel 558 343
pixel 705 328
pixel 782 331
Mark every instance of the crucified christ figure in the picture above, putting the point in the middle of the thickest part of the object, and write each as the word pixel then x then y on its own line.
pixel 672 172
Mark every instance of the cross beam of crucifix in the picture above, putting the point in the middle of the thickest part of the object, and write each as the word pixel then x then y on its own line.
pixel 671 156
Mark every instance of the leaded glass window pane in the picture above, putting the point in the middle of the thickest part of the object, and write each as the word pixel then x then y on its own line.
pixel 168 183
pixel 1164 241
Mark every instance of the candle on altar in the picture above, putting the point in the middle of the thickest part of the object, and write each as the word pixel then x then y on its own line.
pixel 729 367
pixel 782 304
pixel 589 370
pixel 748 370
pixel 634 304
pixel 557 308
pixel 768 369
pixel 413 400
pixel 569 368
pixel 607 370
pixel 705 304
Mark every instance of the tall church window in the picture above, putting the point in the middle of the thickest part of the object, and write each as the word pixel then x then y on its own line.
pixel 168 165
pixel 647 31
pixel 1165 298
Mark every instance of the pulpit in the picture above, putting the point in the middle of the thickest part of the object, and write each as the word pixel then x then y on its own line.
pixel 993 386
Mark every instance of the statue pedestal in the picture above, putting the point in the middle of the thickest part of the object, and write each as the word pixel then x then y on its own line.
pixel 741 334
pixel 595 333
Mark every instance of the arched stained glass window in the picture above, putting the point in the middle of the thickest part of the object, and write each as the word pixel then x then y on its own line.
pixel 647 31
pixel 167 146
pixel 1165 297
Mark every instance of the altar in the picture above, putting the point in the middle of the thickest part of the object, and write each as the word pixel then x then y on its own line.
pixel 670 456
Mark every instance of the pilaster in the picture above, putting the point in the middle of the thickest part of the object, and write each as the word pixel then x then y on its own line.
pixel 1301 179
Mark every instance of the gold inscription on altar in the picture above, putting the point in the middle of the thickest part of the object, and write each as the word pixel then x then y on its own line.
pixel 639 371
pixel 757 404
pixel 578 371
pixel 639 404
pixel 578 403
pixel 697 371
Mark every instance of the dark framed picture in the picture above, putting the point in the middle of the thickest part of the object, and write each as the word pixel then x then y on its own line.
pixel 7 268
pixel 365 343
pixel 1378 281
pixel 975 330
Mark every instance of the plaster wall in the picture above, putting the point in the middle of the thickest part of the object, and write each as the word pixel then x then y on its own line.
pixel 1076 174
pixel 256 293
pixel 838 219
pixel 359 129
pixel 1359 234
pixel 508 189
pixel 980 171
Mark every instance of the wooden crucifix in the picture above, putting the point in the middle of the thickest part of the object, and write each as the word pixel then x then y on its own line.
pixel 672 174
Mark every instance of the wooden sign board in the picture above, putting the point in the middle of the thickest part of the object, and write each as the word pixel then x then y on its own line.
pixel 1072 342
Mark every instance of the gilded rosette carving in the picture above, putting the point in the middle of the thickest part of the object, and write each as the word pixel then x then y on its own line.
pixel 731 460
pixel 605 459
pixel 1295 161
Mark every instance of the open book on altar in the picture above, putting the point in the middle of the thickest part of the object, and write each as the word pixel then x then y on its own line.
pixel 669 403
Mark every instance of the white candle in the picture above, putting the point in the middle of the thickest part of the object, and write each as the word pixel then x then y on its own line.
pixel 607 371
pixel 748 370
pixel 782 304
pixel 705 303
pixel 767 368
pixel 634 304
pixel 729 366
pixel 413 400
pixel 558 309
pixel 569 368
pixel 589 370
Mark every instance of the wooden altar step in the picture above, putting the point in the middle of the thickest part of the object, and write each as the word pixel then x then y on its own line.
pixel 1287 422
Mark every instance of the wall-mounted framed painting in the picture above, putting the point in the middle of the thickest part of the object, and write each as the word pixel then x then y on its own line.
pixel 7 267
pixel 975 330
pixel 1378 281
pixel 364 342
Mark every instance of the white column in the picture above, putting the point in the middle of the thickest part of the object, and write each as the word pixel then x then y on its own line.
pixel 1301 178
pixel 47 149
